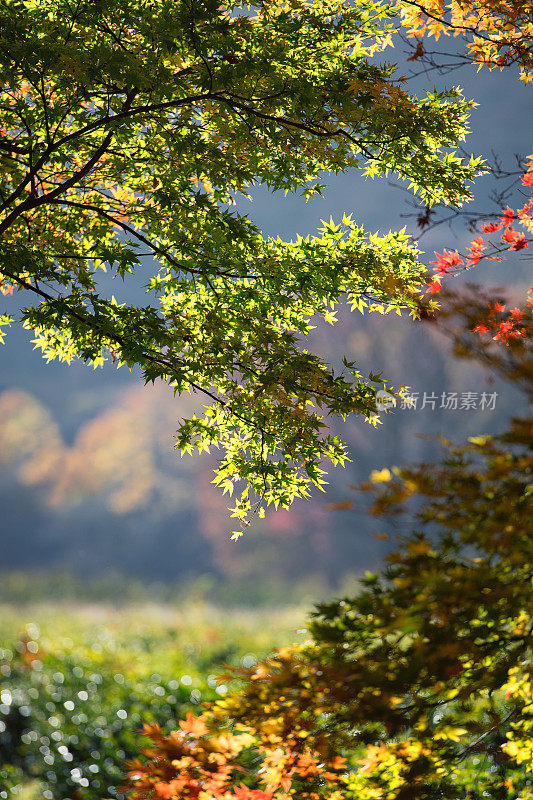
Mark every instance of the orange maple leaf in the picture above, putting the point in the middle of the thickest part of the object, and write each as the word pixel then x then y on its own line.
pixel 195 726
pixel 508 216
pixel 510 235
pixel 166 790
pixel 520 243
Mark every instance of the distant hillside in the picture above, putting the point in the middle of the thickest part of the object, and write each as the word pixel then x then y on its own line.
pixel 96 486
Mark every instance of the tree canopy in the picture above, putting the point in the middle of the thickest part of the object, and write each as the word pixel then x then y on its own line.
pixel 128 130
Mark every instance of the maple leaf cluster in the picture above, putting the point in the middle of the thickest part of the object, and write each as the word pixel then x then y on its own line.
pixel 497 33
pixel 450 264
pixel 506 325
pixel 208 758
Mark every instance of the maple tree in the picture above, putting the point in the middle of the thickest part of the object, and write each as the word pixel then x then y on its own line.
pixel 421 685
pixel 129 128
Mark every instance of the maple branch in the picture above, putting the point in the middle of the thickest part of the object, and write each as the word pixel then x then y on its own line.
pixel 10 147
pixel 128 228
pixel 102 212
pixel 436 18
pixel 148 355
pixel 132 112
pixel 316 131
pixel 33 202
pixel 117 338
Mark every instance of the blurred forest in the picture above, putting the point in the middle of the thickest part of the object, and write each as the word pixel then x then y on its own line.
pixel 90 483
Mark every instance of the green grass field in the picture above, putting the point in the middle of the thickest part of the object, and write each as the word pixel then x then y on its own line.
pixel 154 637
pixel 78 681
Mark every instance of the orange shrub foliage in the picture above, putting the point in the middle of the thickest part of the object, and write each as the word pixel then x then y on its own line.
pixel 209 759
pixel 420 686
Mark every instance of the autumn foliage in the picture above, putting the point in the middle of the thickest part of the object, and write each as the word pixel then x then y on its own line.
pixel 497 33
pixel 129 129
pixel 421 686
pixel 502 324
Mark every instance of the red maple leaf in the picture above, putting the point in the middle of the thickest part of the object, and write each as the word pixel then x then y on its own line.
pixel 446 261
pixel 435 286
pixel 516 315
pixel 527 179
pixel 507 331
pixel 475 250
pixel 520 243
pixel 481 328
pixel 497 308
pixel 510 235
pixel 508 216
pixel 490 227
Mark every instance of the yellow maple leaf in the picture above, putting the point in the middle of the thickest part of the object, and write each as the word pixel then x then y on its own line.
pixel 380 475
